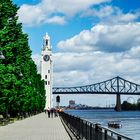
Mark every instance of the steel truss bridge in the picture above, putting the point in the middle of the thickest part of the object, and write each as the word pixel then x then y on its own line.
pixel 116 85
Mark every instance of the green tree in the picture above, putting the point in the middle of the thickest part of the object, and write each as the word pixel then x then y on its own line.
pixel 128 106
pixel 21 88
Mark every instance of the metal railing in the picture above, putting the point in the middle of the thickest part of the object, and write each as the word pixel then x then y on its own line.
pixel 85 130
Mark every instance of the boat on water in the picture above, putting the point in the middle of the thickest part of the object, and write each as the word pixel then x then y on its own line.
pixel 114 124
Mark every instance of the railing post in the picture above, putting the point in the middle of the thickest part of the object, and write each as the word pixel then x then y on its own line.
pixel 86 129
pixel 111 134
pixel 105 134
pixel 119 138
pixel 91 132
pixel 82 130
pixel 96 127
pixel 96 134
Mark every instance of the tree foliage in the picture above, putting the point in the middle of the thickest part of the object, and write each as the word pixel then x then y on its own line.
pixel 128 106
pixel 21 88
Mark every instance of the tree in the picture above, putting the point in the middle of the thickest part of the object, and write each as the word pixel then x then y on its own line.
pixel 21 88
pixel 128 106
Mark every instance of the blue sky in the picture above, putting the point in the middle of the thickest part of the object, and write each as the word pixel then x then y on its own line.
pixel 92 40
pixel 72 27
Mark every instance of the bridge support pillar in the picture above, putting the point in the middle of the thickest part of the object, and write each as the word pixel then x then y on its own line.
pixel 118 102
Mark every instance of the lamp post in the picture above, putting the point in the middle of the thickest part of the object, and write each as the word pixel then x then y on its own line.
pixel 1 55
pixel 58 101
pixel 2 98
pixel 20 74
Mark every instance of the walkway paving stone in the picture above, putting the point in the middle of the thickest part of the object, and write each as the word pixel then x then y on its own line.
pixel 38 127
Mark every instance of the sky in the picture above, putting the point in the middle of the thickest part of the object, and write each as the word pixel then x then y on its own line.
pixel 92 41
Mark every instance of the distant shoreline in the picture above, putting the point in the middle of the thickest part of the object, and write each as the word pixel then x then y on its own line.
pixel 97 108
pixel 89 108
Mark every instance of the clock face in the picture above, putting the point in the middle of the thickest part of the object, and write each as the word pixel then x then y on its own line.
pixel 46 57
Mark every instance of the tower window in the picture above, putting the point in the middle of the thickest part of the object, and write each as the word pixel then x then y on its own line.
pixel 48 71
pixel 45 76
pixel 46 82
pixel 46 42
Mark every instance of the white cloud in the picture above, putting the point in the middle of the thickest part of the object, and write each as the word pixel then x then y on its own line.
pixel 56 20
pixel 126 17
pixel 70 8
pixel 112 15
pixel 106 38
pixel 31 15
pixel 82 42
pixel 40 13
pixel 90 68
pixel 102 12
pixel 135 52
pixel 37 59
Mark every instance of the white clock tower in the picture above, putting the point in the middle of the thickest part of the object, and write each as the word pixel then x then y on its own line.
pixel 47 70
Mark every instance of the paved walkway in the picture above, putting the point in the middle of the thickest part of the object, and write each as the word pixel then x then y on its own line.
pixel 38 127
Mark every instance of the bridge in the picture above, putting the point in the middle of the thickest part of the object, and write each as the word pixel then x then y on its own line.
pixel 116 85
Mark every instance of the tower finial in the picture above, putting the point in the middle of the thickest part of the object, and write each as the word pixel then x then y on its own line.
pixel 46 42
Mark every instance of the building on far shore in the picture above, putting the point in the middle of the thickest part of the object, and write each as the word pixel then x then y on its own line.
pixel 72 104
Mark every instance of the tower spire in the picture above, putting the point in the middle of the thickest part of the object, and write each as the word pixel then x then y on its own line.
pixel 46 42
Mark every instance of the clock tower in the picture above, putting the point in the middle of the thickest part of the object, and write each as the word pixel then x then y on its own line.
pixel 47 70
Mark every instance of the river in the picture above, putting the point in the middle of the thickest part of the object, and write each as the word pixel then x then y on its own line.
pixel 130 120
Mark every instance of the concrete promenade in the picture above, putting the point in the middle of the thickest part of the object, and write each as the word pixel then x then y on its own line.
pixel 38 127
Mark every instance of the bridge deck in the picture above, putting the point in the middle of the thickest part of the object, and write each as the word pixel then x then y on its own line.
pixel 38 127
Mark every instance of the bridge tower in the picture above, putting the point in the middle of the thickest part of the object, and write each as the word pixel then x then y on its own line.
pixel 118 102
pixel 118 97
pixel 47 70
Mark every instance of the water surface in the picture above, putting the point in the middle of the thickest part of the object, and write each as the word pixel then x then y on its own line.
pixel 130 120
